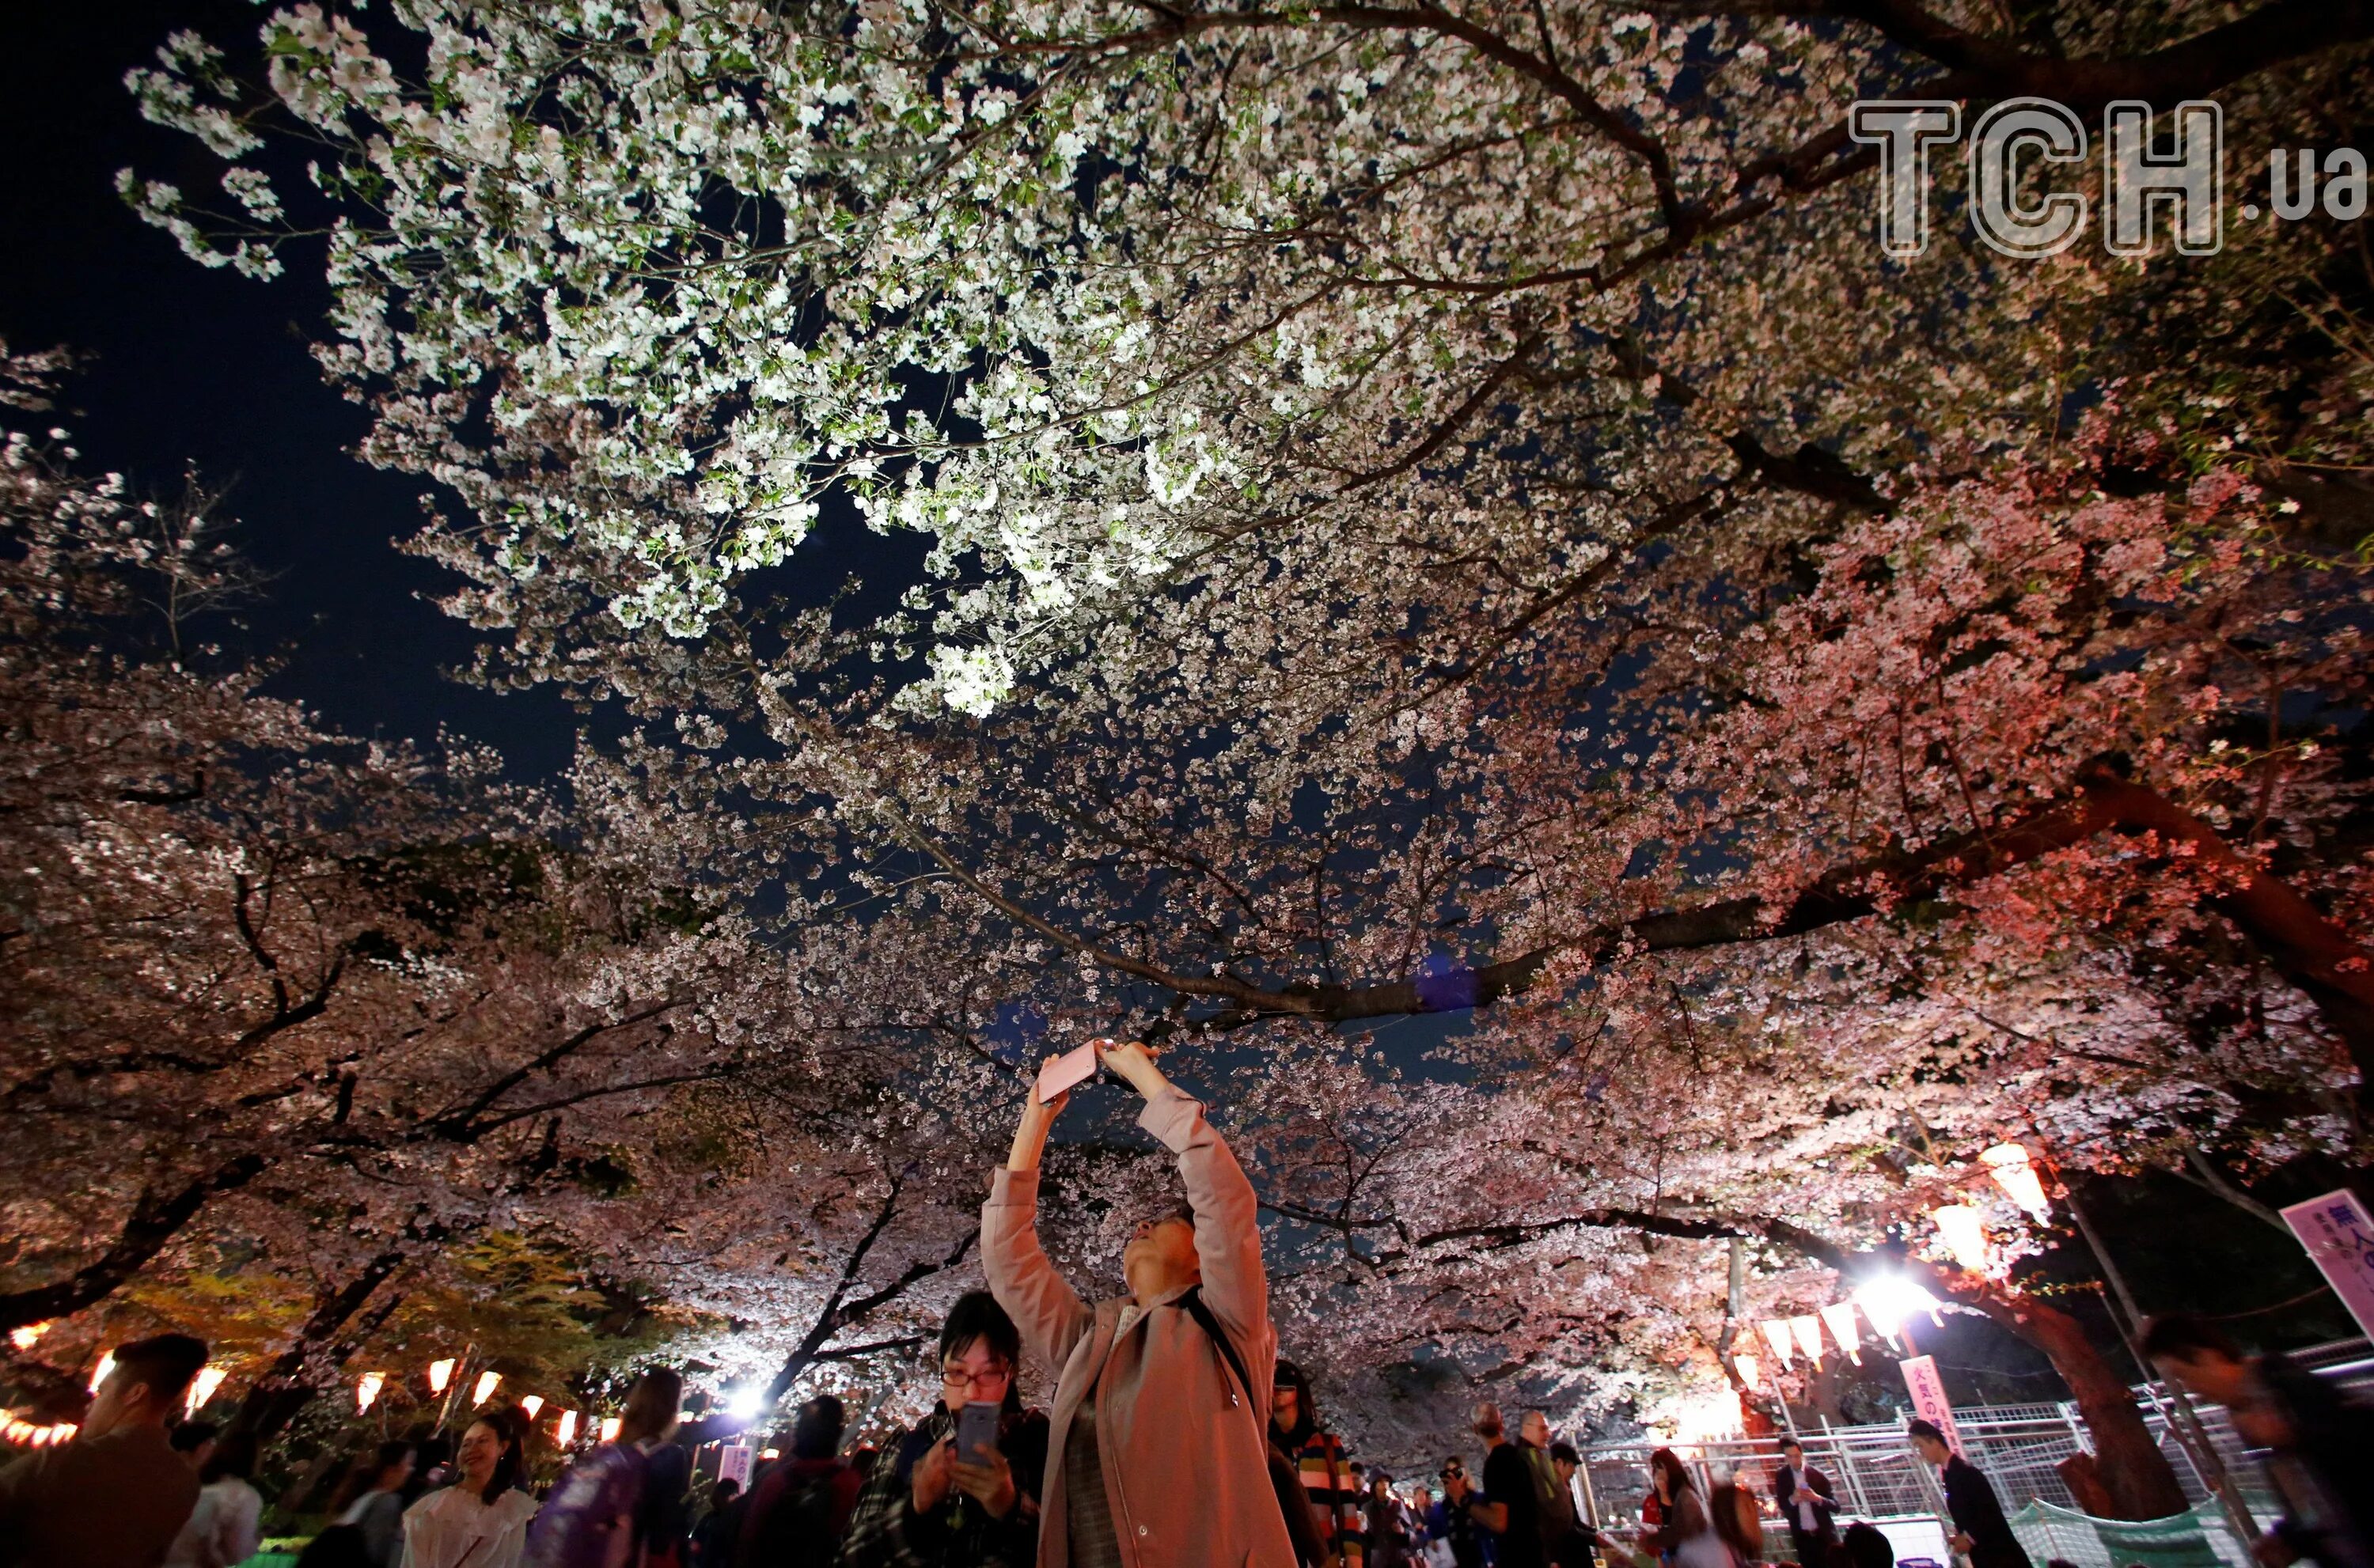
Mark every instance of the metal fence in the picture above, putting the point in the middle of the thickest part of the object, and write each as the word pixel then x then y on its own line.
pixel 2018 1446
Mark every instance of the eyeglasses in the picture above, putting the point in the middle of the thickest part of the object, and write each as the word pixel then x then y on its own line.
pixel 958 1377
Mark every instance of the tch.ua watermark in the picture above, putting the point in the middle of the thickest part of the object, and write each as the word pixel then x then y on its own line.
pixel 2189 180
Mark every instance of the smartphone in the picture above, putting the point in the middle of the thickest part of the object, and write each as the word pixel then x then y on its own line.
pixel 976 1433
pixel 1059 1074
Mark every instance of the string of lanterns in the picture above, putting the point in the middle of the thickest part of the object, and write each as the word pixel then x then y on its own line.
pixel 1886 1304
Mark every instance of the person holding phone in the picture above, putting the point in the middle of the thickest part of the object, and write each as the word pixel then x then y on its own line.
pixel 1159 1444
pixel 961 1490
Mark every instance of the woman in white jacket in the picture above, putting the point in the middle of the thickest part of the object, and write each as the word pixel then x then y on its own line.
pixel 222 1527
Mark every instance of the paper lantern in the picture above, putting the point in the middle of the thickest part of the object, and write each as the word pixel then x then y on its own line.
pixel 1889 1302
pixel 770 1452
pixel 440 1373
pixel 488 1382
pixel 1808 1332
pixel 202 1388
pixel 610 1428
pixel 26 1336
pixel 1776 1334
pixel 568 1431
pixel 1750 1373
pixel 367 1390
pixel 2017 1175
pixel 1963 1231
pixel 1839 1318
pixel 98 1374
pixel 532 1404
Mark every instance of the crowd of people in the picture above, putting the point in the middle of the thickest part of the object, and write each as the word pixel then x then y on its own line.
pixel 1173 1437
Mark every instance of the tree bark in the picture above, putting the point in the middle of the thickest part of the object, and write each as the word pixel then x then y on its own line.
pixel 283 1389
pixel 154 1222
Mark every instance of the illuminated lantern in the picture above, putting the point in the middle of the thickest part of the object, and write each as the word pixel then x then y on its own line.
pixel 440 1373
pixel 2017 1175
pixel 1963 1231
pixel 28 1335
pixel 568 1431
pixel 1776 1334
pixel 1808 1330
pixel 1889 1302
pixel 488 1382
pixel 367 1390
pixel 202 1388
pixel 1750 1373
pixel 1840 1318
pixel 106 1365
pixel 610 1428
pixel 532 1404
pixel 770 1452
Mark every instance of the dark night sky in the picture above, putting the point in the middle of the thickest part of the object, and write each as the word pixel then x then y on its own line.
pixel 192 365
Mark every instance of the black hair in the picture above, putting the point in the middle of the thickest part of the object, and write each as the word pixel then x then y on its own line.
pixel 364 1474
pixel 815 1431
pixel 977 1316
pixel 1670 1463
pixel 512 1463
pixel 1919 1428
pixel 2180 1336
pixel 1306 1410
pixel 1866 1546
pixel 724 1492
pixel 193 1435
pixel 234 1455
pixel 1787 1442
pixel 1563 1450
pixel 162 1363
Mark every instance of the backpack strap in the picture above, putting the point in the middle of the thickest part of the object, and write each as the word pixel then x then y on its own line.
pixel 1201 1312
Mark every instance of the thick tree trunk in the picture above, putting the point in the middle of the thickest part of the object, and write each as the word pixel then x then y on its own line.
pixel 2137 1478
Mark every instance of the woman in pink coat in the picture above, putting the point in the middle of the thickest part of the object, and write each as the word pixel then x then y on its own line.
pixel 1158 1454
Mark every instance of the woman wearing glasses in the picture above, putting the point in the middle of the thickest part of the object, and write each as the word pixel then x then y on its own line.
pixel 928 1507
pixel 1158 1451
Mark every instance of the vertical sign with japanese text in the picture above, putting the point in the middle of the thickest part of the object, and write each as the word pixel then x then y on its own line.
pixel 1927 1391
pixel 2339 1235
pixel 733 1464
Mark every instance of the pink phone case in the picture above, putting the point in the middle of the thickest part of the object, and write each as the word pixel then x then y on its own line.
pixel 1058 1073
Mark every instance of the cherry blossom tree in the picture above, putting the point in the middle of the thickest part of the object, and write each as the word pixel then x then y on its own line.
pixel 1426 511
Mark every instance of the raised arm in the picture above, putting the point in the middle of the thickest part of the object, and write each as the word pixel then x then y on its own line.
pixel 1049 1312
pixel 1228 1215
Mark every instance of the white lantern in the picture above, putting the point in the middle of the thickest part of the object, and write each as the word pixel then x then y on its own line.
pixel 532 1404
pixel 1808 1331
pixel 568 1431
pixel 488 1382
pixel 367 1390
pixel 202 1388
pixel 28 1335
pixel 1963 1231
pixel 1889 1302
pixel 610 1428
pixel 1776 1334
pixel 98 1374
pixel 2017 1175
pixel 440 1373
pixel 1750 1373
pixel 1839 1318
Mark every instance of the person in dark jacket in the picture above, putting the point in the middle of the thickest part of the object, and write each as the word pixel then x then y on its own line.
pixel 2320 1445
pixel 1980 1531
pixel 932 1507
pixel 117 1495
pixel 1809 1503
pixel 800 1508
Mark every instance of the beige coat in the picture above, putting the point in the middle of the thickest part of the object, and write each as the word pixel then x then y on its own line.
pixel 1184 1454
